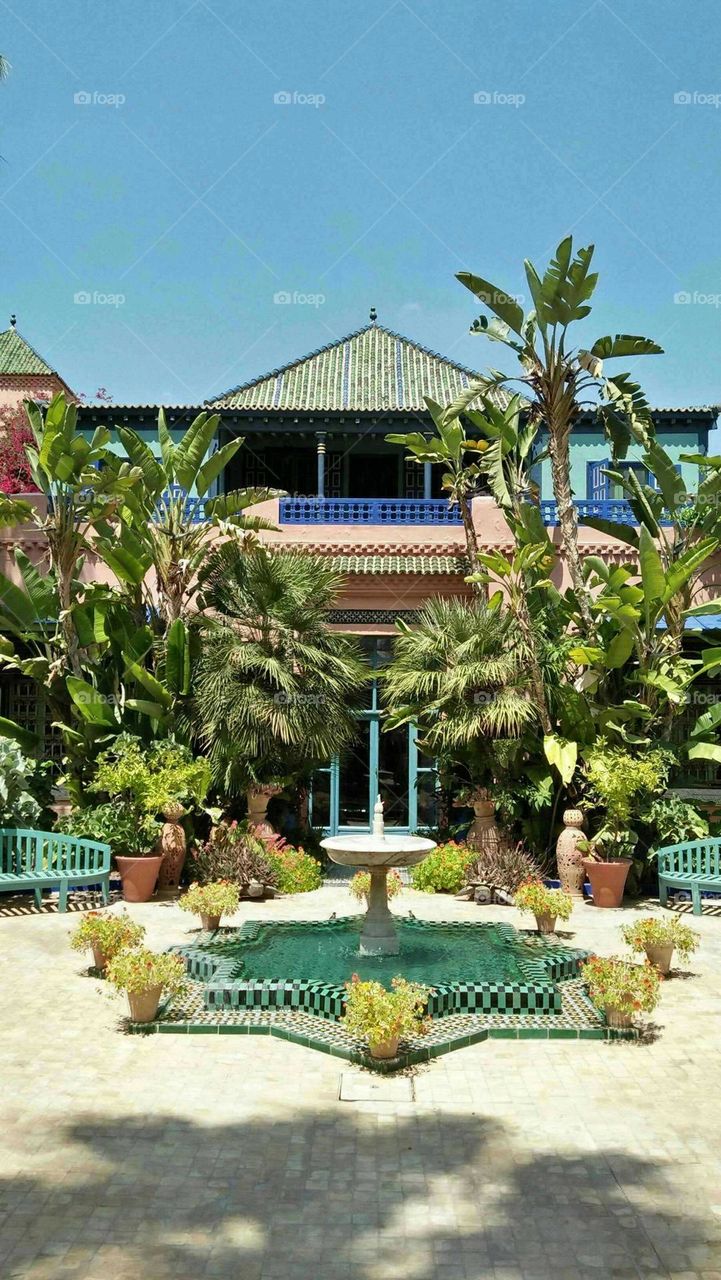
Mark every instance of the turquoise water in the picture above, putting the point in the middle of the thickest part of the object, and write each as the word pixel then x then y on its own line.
pixel 428 953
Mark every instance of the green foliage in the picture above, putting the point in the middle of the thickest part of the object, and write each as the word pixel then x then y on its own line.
pixel 376 1015
pixel 217 898
pixel 152 778
pixel 109 933
pixel 621 784
pixel 137 969
pixel 459 674
pixel 444 870
pixel 275 686
pixel 129 832
pixel 295 870
pixel 667 932
pixel 673 820
pixel 360 885
pixel 20 781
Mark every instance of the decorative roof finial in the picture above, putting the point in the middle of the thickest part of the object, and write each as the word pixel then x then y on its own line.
pixel 373 315
pixel 13 321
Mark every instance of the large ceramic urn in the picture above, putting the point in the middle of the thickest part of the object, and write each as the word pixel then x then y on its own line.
pixel 569 858
pixel 172 847
pixel 258 798
pixel 483 834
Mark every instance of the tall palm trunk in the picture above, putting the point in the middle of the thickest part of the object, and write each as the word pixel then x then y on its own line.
pixel 469 529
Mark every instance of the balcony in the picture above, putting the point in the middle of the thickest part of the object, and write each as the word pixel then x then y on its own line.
pixel 374 511
pixel 616 509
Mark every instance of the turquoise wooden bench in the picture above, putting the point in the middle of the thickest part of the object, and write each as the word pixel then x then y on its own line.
pixel 695 866
pixel 40 860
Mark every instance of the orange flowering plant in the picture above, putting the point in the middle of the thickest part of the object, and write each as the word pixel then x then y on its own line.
pixel 109 933
pixel 533 896
pixel 218 898
pixel 138 970
pixel 360 885
pixel 614 983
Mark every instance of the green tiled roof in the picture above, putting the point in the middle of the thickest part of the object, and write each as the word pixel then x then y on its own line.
pixel 369 371
pixel 400 564
pixel 17 357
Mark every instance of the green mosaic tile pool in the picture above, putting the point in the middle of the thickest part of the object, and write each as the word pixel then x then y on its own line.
pixel 481 967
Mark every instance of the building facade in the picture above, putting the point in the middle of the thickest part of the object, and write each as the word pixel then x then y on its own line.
pixel 315 429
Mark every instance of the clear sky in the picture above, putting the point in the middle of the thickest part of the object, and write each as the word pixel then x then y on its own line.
pixel 182 197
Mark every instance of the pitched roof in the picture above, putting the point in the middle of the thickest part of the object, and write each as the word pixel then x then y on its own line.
pixel 369 371
pixel 17 357
pixel 425 565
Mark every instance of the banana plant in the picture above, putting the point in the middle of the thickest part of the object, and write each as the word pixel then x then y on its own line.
pixel 561 380
pixel 83 486
pixel 164 526
pixel 454 450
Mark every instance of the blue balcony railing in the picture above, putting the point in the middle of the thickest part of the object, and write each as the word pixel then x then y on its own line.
pixel 367 511
pixel 616 509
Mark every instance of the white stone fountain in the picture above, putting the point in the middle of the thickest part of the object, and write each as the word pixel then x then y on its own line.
pixel 378 853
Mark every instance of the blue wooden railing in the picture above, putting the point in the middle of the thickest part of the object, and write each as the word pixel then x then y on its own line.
pixel 616 509
pixel 367 511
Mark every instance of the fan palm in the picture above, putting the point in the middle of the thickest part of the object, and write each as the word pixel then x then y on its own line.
pixel 460 674
pixel 275 686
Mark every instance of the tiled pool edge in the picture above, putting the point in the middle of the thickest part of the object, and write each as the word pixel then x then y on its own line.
pixel 224 989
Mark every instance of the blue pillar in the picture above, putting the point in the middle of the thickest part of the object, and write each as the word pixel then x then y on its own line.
pixel 320 451
pixel 427 481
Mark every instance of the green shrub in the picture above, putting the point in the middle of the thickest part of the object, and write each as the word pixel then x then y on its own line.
pixel 129 833
pixel 443 871
pixel 296 871
pixel 233 853
pixel 20 778
pixel 151 778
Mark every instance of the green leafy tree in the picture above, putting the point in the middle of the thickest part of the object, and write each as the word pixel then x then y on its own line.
pixel 560 380
pixel 460 674
pixel 275 686
pixel 166 526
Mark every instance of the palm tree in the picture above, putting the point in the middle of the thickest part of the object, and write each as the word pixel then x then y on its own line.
pixel 460 674
pixel 275 686
pixel 4 68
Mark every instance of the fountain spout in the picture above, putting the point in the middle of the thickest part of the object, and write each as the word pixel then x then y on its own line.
pixel 379 826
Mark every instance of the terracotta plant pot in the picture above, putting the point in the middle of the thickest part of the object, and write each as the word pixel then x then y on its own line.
pixel 546 924
pixel 608 880
pixel 210 923
pixel 100 960
pixel 483 834
pixel 385 1048
pixel 172 848
pixel 255 889
pixel 614 1018
pixel 569 858
pixel 139 877
pixel 144 1004
pixel 660 956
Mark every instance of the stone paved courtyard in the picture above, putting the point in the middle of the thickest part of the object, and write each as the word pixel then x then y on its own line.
pixel 139 1158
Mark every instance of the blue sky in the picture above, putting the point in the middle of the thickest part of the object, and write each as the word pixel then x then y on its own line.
pixel 182 197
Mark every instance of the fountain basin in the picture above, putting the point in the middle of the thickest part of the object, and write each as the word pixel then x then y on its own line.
pixel 366 852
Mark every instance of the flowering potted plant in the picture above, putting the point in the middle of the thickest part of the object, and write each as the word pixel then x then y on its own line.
pixel 105 935
pixel 621 989
pixel 145 975
pixel 547 905
pixel 211 901
pixel 381 1017
pixel 132 836
pixel 360 885
pixel 659 939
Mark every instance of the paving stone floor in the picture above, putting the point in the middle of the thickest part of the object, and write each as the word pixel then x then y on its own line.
pixel 146 1158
